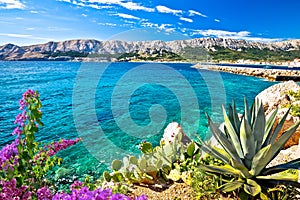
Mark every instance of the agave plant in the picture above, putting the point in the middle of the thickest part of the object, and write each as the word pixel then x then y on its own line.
pixel 249 143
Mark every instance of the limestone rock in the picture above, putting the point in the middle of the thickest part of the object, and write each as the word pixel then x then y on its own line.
pixel 276 97
pixel 172 130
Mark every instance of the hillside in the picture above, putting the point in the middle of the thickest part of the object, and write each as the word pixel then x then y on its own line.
pixel 193 49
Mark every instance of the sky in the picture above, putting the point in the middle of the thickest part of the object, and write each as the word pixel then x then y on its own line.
pixel 26 22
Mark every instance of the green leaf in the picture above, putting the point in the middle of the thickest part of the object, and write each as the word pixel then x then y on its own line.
pixel 241 168
pixel 116 165
pixel 107 176
pixel 191 149
pixel 225 169
pixel 252 188
pixel 213 152
pixel 263 196
pixel 133 160
pixel 280 177
pixel 294 164
pixel 117 177
pixel 147 148
pixel 231 186
pixel 269 126
pixel 279 127
pixel 259 127
pixel 265 155
pixel 143 164
pixel 259 160
pixel 228 147
pixel 233 135
pixel 247 142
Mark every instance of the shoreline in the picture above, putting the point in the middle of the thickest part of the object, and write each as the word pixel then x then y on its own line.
pixel 269 74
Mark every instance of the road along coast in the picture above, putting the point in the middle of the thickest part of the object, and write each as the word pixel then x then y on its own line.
pixel 270 74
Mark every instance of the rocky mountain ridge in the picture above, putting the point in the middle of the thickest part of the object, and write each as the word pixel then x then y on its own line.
pixel 90 46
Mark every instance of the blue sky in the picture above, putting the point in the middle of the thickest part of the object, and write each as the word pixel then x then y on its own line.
pixel 25 22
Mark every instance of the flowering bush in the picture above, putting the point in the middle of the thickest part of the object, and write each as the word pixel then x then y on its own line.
pixel 78 191
pixel 24 162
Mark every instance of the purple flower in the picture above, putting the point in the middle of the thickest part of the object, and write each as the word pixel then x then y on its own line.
pixel 22 104
pixel 119 197
pixel 44 194
pixel 21 118
pixel 17 131
pixel 11 191
pixel 9 153
pixel 142 197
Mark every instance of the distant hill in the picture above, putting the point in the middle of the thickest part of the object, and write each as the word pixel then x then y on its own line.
pixel 192 49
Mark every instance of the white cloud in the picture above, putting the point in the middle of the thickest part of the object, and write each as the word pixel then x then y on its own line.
pixel 164 9
pixel 11 4
pixel 129 22
pixel 100 4
pixel 30 28
pixel 107 24
pixel 149 24
pixel 34 12
pixel 217 20
pixel 193 12
pixel 15 35
pixel 83 15
pixel 221 33
pixel 241 35
pixel 69 1
pixel 135 6
pixel 54 28
pixel 186 19
pixel 126 16
pixel 164 26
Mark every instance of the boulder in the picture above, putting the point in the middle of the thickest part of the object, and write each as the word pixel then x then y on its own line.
pixel 277 96
pixel 172 130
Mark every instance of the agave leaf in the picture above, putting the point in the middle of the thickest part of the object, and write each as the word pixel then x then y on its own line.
pixel 259 127
pixel 247 142
pixel 213 152
pixel 228 147
pixel 241 168
pixel 233 135
pixel 269 125
pixel 233 117
pixel 280 177
pixel 246 110
pixel 231 186
pixel 266 154
pixel 294 164
pixel 279 127
pixel 225 169
pixel 257 162
pixel 252 188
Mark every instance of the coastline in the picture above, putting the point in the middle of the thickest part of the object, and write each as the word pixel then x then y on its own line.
pixel 269 74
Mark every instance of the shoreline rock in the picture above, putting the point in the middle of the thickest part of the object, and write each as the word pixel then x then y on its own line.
pixel 277 96
pixel 269 74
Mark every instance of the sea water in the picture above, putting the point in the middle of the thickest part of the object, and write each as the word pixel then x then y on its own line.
pixel 114 106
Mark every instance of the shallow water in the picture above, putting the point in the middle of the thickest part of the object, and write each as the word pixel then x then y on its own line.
pixel 114 106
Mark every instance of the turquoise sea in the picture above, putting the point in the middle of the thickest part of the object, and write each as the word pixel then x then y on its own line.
pixel 114 106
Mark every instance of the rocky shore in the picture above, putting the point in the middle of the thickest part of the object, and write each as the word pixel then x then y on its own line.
pixel 270 74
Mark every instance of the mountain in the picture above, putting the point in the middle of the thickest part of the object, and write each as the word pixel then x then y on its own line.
pixel 74 49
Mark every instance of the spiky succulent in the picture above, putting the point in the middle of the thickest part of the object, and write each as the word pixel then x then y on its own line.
pixel 249 143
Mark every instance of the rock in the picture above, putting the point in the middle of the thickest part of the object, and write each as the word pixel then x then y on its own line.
pixel 287 155
pixel 276 97
pixel 172 130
